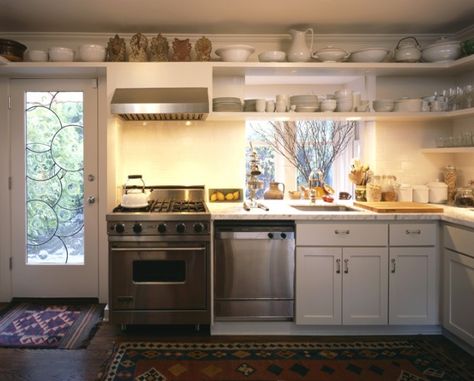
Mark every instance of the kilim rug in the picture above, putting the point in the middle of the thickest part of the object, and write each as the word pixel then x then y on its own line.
pixel 404 360
pixel 30 325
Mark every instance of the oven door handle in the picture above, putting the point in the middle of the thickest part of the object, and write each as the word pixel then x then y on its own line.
pixel 158 249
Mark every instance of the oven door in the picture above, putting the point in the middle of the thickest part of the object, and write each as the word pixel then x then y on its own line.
pixel 158 276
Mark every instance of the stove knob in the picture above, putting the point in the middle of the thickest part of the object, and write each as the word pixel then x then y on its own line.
pixel 199 227
pixel 181 228
pixel 137 228
pixel 162 228
pixel 119 228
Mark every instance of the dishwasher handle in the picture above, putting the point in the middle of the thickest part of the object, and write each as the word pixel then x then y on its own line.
pixel 276 235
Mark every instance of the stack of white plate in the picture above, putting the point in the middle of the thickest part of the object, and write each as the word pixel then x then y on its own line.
pixel 250 105
pixel 305 103
pixel 227 104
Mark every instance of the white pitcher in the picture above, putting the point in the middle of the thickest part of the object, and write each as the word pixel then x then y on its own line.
pixel 299 51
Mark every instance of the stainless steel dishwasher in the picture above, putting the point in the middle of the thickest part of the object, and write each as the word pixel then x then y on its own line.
pixel 254 270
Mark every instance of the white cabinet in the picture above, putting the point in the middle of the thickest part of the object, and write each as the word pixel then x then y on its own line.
pixel 413 276
pixel 318 285
pixel 458 282
pixel 412 292
pixel 336 282
pixel 364 285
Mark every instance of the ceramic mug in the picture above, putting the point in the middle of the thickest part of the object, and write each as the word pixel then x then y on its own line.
pixel 280 106
pixel 270 106
pixel 260 105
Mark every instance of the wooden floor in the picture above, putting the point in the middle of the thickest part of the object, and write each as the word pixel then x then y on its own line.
pixel 85 364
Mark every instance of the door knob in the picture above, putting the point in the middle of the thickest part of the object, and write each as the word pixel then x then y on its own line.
pixel 91 199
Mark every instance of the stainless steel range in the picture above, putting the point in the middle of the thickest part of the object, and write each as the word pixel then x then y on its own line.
pixel 159 259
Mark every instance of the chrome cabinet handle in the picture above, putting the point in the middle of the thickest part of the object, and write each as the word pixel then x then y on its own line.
pixel 393 265
pixel 342 232
pixel 338 266
pixel 417 231
pixel 346 266
pixel 91 199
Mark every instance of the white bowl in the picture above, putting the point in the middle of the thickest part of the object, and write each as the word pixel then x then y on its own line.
pixel 344 106
pixel 306 108
pixel 235 53
pixel 442 50
pixel 369 55
pixel 330 54
pixel 297 99
pixel 272 56
pixel 383 105
pixel 60 54
pixel 408 105
pixel 37 55
pixel 92 53
pixel 328 105
pixel 344 93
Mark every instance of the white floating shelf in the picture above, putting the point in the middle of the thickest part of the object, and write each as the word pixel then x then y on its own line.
pixel 448 150
pixel 362 116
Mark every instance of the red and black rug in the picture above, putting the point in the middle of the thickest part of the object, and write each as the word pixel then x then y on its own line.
pixel 403 360
pixel 64 326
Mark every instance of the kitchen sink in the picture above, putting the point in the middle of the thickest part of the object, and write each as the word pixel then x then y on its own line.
pixel 325 208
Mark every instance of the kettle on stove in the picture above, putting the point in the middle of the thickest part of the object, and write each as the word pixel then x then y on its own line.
pixel 134 195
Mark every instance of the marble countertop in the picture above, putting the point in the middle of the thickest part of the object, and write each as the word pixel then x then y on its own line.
pixel 283 210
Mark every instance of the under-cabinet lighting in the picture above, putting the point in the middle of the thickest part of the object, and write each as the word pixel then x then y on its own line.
pixel 282 119
pixel 353 118
pixel 188 123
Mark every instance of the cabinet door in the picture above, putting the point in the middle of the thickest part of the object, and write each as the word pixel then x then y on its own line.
pixel 365 285
pixel 458 301
pixel 318 285
pixel 413 280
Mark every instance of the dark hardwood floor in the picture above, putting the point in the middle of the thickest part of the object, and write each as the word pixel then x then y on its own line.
pixel 85 364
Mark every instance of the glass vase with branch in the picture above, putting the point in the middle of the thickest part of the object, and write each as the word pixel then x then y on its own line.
pixel 311 146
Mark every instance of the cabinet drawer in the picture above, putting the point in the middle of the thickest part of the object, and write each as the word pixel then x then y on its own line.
pixel 341 234
pixel 412 234
pixel 460 240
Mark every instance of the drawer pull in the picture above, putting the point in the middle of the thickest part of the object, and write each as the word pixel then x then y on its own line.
pixel 417 231
pixel 342 232
pixel 393 265
pixel 338 266
pixel 346 266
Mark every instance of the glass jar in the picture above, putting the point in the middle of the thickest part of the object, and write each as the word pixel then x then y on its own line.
pixel 464 198
pixel 374 189
pixel 450 176
pixel 389 186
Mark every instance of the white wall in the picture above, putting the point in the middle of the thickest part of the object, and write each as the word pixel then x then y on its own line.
pixel 173 153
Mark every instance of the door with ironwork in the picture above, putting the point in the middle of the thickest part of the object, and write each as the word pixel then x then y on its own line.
pixel 54 217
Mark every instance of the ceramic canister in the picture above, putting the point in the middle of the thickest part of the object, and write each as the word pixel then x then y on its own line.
pixel 438 192
pixel 420 193
pixel 405 193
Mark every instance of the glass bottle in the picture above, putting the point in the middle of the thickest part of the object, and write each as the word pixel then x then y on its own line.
pixel 450 176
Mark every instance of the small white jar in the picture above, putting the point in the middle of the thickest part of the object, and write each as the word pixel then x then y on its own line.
pixel 405 193
pixel 438 192
pixel 420 193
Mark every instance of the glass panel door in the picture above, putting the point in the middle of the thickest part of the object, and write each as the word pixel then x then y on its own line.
pixel 54 165
pixel 54 153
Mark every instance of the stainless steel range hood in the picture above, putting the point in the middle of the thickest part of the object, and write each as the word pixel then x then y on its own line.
pixel 175 103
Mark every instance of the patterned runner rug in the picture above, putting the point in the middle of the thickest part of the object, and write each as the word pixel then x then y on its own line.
pixel 31 325
pixel 404 360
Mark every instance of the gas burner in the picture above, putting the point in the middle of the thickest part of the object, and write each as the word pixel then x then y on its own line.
pixel 174 206
pixel 121 209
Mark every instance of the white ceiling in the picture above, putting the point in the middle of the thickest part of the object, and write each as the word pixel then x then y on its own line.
pixel 237 16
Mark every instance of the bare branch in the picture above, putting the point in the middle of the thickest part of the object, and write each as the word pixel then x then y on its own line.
pixel 309 145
